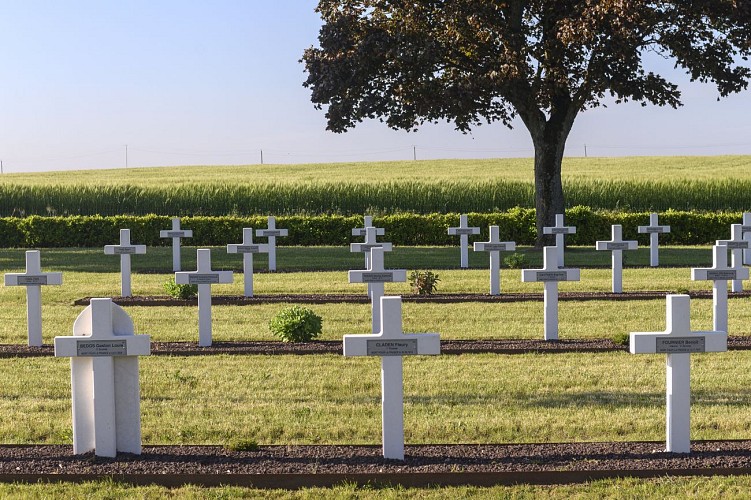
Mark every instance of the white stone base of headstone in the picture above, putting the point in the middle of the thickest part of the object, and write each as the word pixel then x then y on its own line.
pixel 104 380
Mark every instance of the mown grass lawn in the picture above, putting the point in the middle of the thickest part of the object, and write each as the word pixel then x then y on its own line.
pixel 330 399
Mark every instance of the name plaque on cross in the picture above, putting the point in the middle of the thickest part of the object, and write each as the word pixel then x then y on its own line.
pixel 31 280
pixel 203 279
pixel 492 247
pixel 717 275
pixel 655 229
pixel 124 250
pixel 733 245
pixel 559 230
pixel 680 344
pixel 551 276
pixel 376 277
pixel 101 348
pixel 177 234
pixel 391 347
pixel 616 246
pixel 248 249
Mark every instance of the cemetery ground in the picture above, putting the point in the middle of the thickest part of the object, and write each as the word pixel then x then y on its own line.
pixel 327 399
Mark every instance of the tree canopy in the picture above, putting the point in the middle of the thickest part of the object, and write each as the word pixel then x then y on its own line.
pixel 482 61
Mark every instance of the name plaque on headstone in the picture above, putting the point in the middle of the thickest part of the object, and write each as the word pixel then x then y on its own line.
pixel 655 229
pixel 721 275
pixel 559 230
pixel 746 229
pixel 124 250
pixel 271 232
pixel 494 247
pixel 392 347
pixel 203 279
pixel 460 231
pixel 551 275
pixel 175 234
pixel 679 345
pixel 377 277
pixel 101 348
pixel 32 280
pixel 736 245
pixel 247 249
pixel 617 246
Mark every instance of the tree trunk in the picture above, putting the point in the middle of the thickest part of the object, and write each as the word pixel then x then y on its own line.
pixel 549 199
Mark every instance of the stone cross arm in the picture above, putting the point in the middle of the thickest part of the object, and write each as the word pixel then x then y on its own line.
pixel 33 274
pixel 102 329
pixel 678 336
pixel 391 340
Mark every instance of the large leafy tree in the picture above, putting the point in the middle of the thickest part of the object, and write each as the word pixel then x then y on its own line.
pixel 475 61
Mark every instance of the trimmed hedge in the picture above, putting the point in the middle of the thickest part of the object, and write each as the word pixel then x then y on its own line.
pixel 518 224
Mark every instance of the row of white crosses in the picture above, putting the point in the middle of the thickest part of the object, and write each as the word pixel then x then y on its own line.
pixel 271 232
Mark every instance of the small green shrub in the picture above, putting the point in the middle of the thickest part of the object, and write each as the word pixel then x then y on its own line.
pixel 516 261
pixel 296 324
pixel 423 282
pixel 180 291
pixel 622 339
pixel 242 445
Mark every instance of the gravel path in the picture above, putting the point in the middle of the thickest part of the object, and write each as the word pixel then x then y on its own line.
pixel 59 459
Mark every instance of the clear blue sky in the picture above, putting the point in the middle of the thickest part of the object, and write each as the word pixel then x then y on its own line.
pixel 214 82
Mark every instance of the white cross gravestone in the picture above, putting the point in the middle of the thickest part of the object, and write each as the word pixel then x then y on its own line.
pixel 124 250
pixel 370 243
pixel 550 275
pixel 678 342
pixel 616 246
pixel 375 277
pixel 736 244
pixel 559 230
pixel 653 229
pixel 248 248
pixel 271 233
pixel 463 231
pixel 719 274
pixel 176 233
pixel 494 247
pixel 747 236
pixel 368 222
pixel 391 344
pixel 204 277
pixel 33 279
pixel 104 379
